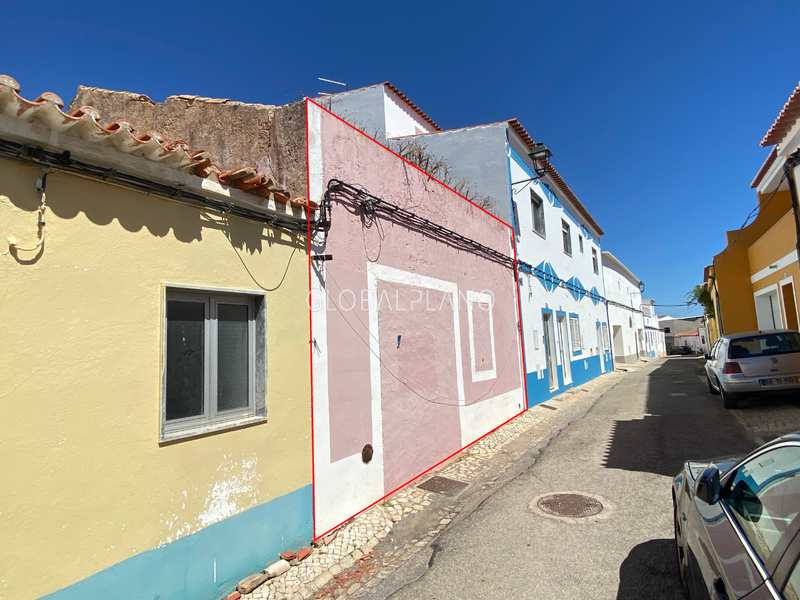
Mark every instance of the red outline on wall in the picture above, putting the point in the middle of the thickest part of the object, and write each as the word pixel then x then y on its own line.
pixel 311 333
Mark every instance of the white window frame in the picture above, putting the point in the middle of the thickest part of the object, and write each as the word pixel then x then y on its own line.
pixel 577 341
pixel 580 243
pixel 213 420
pixel 537 203
pixel 480 299
pixel 772 289
pixel 595 262
pixel 566 240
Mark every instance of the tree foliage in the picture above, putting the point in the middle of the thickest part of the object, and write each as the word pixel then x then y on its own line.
pixel 699 296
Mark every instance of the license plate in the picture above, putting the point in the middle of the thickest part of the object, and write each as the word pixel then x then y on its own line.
pixel 778 381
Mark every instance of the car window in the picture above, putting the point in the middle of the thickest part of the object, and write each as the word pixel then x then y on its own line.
pixel 764 496
pixel 715 349
pixel 764 345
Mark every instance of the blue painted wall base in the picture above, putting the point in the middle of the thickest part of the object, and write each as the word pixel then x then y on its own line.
pixel 184 569
pixel 583 370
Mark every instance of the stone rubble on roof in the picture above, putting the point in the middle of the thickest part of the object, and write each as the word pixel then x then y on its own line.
pixel 120 134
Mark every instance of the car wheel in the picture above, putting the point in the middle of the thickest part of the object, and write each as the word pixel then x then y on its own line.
pixel 681 552
pixel 728 400
pixel 711 388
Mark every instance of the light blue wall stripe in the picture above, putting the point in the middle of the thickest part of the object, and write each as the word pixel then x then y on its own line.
pixel 184 569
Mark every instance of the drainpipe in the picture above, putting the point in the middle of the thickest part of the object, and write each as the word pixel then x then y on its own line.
pixel 791 162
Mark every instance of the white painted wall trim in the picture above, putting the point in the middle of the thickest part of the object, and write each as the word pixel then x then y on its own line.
pixel 340 487
pixel 481 298
pixel 374 273
pixel 783 282
pixel 480 418
pixel 782 262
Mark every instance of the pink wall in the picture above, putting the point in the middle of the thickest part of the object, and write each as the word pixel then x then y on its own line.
pixel 419 380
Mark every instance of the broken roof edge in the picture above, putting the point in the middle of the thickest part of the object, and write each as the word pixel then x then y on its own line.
pixel 81 128
pixel 137 97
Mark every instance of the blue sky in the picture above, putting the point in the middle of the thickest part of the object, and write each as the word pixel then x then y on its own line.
pixel 654 110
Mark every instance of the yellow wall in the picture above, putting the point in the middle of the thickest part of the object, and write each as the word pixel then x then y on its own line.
pixel 776 243
pixel 732 266
pixel 85 482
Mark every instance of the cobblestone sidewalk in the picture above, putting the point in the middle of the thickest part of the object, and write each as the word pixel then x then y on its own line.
pixel 365 550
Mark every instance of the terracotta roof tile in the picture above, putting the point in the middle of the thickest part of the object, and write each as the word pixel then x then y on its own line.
pixel 121 134
pixel 687 333
pixel 785 120
pixel 765 167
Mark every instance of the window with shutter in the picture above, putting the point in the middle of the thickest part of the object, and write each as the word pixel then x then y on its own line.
pixel 575 330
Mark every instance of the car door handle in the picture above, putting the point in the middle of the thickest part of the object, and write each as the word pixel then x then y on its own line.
pixel 720 593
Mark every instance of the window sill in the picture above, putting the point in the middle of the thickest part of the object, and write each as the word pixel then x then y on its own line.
pixel 541 235
pixel 208 428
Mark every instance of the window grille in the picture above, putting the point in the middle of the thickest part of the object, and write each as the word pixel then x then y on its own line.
pixel 575 330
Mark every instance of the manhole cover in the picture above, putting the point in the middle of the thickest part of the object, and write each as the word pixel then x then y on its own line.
pixel 569 505
pixel 443 485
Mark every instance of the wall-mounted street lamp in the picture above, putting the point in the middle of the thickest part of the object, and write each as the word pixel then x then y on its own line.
pixel 539 155
pixel 641 286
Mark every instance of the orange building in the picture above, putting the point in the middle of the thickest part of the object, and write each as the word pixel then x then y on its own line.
pixel 754 279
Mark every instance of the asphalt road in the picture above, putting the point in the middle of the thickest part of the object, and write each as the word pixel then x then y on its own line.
pixel 624 452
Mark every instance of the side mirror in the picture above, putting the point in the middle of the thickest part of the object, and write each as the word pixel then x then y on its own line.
pixel 707 486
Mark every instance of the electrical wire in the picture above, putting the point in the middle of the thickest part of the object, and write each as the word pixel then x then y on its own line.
pixel 759 208
pixel 12 245
pixel 65 162
pixel 370 204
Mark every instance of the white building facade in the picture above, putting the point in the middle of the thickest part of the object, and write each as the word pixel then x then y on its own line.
pixel 564 322
pixel 625 316
pixel 654 342
pixel 565 330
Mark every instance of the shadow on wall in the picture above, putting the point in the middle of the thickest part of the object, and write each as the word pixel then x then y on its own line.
pixel 650 571
pixel 69 196
pixel 675 428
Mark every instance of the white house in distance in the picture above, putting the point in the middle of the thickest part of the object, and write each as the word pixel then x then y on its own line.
pixel 564 322
pixel 695 340
pixel 635 331
pixel 654 343
pixel 674 326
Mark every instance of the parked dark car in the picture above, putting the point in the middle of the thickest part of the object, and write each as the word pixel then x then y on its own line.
pixel 737 524
pixel 681 350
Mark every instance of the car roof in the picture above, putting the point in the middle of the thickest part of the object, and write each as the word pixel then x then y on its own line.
pixel 789 437
pixel 736 336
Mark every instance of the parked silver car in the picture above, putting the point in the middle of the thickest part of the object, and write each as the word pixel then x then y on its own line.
pixel 752 363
